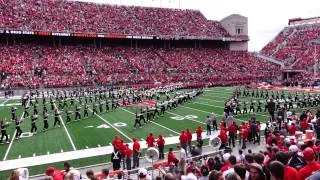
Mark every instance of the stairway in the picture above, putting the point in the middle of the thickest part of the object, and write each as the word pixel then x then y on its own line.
pixel 270 59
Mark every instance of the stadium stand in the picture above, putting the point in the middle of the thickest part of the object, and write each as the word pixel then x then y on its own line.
pixel 296 45
pixel 66 16
pixel 77 66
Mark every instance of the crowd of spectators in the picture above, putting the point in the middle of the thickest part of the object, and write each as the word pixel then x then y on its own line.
pixel 74 16
pixel 297 46
pixel 43 66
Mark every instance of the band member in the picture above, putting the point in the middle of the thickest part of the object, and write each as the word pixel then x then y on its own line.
pixel 68 113
pixel 100 106
pixel 137 121
pixel 18 129
pixel 94 109
pixel 78 115
pixel 13 112
pixel 56 118
pixel 85 112
pixel 4 126
pixel 45 121
pixel 26 112
pixel 33 124
pixel 251 107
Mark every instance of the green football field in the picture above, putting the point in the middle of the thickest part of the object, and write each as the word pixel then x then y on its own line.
pixel 99 130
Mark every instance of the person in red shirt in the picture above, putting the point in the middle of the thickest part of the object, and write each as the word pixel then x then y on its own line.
pixel 193 169
pixel 304 125
pixel 312 165
pixel 160 144
pixel 224 138
pixel 183 140
pixel 171 157
pixel 116 142
pixel 245 134
pixel 292 129
pixel 199 132
pixel 136 152
pixel 54 173
pixel 189 138
pixel 150 140
pixel 128 155
pixel 232 133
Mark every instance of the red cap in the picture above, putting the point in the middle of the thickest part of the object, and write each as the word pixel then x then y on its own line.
pixel 308 154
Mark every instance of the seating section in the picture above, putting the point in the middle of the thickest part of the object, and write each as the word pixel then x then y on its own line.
pixel 297 46
pixel 72 16
pixel 82 66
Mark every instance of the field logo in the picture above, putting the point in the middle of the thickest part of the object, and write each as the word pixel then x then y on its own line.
pixel 187 117
pixel 106 126
pixel 26 134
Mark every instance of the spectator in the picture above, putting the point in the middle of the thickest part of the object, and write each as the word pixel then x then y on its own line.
pixel 256 172
pixel 277 170
pixel 312 165
pixel 215 175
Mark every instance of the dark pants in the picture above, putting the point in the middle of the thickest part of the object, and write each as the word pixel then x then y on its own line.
pixel 231 139
pixel 161 152
pixel 33 127
pixel 19 131
pixel 46 125
pixel 85 113
pixel 244 143
pixel 214 125
pixel 137 121
pixel 78 116
pixel 4 134
pixel 255 137
pixel 56 120
pixel 208 129
pixel 128 163
pixel 135 159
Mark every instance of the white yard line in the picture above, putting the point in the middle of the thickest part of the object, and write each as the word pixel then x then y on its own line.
pixel 65 128
pixel 5 102
pixel 154 123
pixel 13 136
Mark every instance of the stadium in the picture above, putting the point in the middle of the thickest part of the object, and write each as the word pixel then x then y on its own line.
pixel 102 91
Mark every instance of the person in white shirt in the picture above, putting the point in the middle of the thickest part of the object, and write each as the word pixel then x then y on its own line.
pixel 182 156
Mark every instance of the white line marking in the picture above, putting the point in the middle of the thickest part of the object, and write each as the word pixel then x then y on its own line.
pixel 48 152
pixel 155 123
pixel 110 144
pixel 34 154
pixel 5 101
pixel 170 135
pixel 87 147
pixel 65 128
pixel 100 145
pixel 142 139
pixel 61 150
pixel 14 134
pixel 19 157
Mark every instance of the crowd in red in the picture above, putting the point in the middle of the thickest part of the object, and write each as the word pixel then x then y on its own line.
pixel 72 16
pixel 34 66
pixel 298 46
